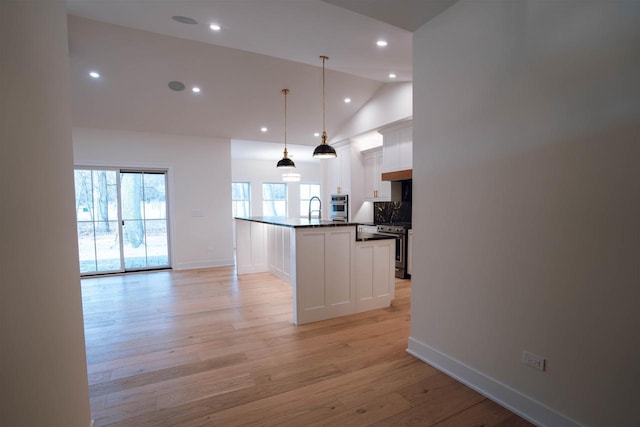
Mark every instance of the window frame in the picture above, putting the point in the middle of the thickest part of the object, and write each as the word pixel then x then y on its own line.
pixel 285 200
pixel 247 201
pixel 305 214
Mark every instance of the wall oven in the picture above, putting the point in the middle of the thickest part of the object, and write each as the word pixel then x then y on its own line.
pixel 339 208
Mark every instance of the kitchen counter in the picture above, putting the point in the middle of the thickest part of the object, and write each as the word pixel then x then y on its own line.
pixel 296 222
pixel 333 270
pixel 362 236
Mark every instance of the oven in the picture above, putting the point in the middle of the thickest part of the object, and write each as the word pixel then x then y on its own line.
pixel 339 208
pixel 401 234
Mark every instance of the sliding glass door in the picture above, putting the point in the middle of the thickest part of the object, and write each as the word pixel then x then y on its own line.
pixel 144 220
pixel 122 220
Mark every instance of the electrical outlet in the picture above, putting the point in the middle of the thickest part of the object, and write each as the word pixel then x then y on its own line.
pixel 533 360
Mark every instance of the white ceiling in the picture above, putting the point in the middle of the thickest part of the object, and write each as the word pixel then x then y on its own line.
pixel 263 47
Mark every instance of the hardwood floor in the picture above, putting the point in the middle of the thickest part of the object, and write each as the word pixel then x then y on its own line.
pixel 209 348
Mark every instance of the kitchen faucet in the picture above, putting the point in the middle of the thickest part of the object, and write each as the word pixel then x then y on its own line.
pixel 319 210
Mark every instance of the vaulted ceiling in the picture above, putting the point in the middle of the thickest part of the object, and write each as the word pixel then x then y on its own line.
pixel 262 47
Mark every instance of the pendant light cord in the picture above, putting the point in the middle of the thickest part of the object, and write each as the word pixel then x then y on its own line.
pixel 285 118
pixel 324 126
pixel 285 92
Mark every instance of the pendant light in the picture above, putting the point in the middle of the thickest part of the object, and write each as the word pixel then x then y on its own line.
pixel 291 177
pixel 324 150
pixel 285 162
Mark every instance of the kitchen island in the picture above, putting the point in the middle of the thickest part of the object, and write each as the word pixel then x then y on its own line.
pixel 333 270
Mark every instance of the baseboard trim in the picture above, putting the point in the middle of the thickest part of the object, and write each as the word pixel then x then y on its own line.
pixel 203 264
pixel 515 401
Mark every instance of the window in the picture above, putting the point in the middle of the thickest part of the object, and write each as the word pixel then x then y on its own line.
pixel 274 199
pixel 241 198
pixel 307 191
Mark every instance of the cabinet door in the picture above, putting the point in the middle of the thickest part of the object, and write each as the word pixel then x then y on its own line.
pixel 375 188
pixel 333 175
pixel 323 284
pixel 384 187
pixel 374 274
pixel 339 171
pixel 344 160
pixel 405 149
pixel 370 187
pixel 391 151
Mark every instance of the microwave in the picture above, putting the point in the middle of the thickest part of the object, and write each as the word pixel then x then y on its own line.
pixel 339 208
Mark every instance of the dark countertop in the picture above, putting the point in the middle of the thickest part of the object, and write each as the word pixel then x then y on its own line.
pixel 296 222
pixel 305 223
pixel 363 237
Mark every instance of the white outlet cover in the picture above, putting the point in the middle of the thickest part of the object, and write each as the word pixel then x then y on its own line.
pixel 533 360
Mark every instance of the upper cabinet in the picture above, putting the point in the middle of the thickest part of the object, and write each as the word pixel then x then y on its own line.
pixel 339 171
pixel 374 188
pixel 397 148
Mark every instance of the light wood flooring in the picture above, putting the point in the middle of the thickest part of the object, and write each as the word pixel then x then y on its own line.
pixel 209 348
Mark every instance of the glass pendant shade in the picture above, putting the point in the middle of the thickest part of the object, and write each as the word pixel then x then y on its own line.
pixel 285 162
pixel 324 150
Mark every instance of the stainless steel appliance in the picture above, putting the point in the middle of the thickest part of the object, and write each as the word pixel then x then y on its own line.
pixel 339 208
pixel 401 233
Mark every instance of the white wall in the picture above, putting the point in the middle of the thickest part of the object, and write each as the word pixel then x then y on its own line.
pixel 42 354
pixel 258 171
pixel 391 103
pixel 199 175
pixel 526 195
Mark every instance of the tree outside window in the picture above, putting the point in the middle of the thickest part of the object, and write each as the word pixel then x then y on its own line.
pixel 241 199
pixel 274 199
pixel 307 191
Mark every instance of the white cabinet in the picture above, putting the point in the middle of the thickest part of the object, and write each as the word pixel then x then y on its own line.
pixel 339 171
pixel 280 254
pixel 374 187
pixel 323 285
pixel 330 273
pixel 397 147
pixel 375 283
pixel 251 247
pixel 409 252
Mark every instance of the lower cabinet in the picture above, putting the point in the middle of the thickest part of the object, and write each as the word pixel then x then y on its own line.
pixel 280 254
pixel 323 273
pixel 375 282
pixel 251 247
pixel 331 274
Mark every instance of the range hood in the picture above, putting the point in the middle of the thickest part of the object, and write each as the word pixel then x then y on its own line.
pixel 398 175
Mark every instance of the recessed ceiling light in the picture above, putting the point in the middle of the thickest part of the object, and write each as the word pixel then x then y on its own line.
pixel 381 43
pixel 215 27
pixel 347 100
pixel 317 134
pixel 264 129
pixel 195 89
pixel 94 74
pixel 184 20
pixel 392 75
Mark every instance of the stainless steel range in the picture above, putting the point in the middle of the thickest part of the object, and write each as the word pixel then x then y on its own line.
pixel 394 218
pixel 401 233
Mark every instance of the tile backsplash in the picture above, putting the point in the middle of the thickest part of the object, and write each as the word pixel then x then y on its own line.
pixel 391 212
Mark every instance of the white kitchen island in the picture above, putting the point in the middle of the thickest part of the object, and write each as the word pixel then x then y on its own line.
pixel 333 270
